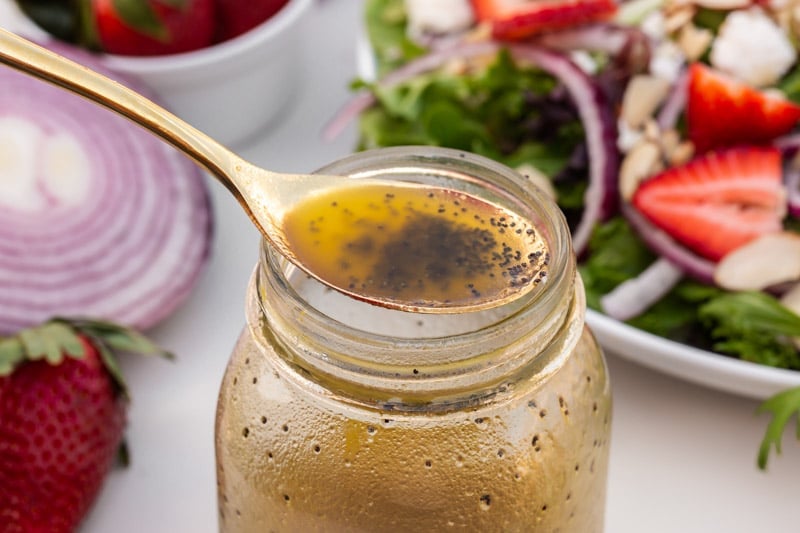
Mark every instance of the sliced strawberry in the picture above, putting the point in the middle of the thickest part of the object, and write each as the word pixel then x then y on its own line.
pixel 514 20
pixel 153 27
pixel 719 201
pixel 724 112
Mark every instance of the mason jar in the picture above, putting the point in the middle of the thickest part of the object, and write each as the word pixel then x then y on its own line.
pixel 337 415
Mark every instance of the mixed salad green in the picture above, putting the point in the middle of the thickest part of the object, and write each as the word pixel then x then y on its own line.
pixel 522 116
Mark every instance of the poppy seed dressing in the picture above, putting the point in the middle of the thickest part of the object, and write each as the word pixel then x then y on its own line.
pixel 418 244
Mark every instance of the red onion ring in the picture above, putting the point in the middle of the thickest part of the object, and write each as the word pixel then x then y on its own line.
pixel 792 183
pixel 788 144
pixel 598 122
pixel 675 103
pixel 600 129
pixel 665 246
pixel 362 101
pixel 634 296
pixel 599 37
pixel 133 247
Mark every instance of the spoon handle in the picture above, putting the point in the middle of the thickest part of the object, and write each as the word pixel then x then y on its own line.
pixel 32 59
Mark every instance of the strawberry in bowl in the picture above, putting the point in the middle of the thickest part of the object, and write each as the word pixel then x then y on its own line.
pixel 239 16
pixel 152 27
pixel 199 56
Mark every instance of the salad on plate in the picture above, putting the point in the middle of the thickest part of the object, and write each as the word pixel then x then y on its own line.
pixel 664 130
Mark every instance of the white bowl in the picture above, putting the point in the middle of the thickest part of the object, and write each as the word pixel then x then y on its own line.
pixel 233 89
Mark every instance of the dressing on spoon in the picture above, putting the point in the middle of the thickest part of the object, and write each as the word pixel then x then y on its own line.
pixel 403 246
pixel 426 247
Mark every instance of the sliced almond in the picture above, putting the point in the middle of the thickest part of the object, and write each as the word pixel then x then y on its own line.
pixel 791 19
pixel 694 41
pixel 672 5
pixel 670 139
pixel 642 97
pixel 681 154
pixel 769 259
pixel 791 298
pixel 642 161
pixel 678 18
pixel 456 66
pixel 652 131
pixel 480 33
pixel 628 137
pixel 723 4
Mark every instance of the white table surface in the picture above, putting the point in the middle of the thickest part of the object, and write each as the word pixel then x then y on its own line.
pixel 682 457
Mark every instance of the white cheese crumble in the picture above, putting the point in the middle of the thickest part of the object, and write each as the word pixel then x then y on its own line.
pixel 653 25
pixel 667 61
pixel 438 16
pixel 584 61
pixel 752 48
pixel 627 137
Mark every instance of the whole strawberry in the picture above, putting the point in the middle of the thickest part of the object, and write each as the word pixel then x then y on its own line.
pixel 62 413
pixel 152 27
pixel 239 16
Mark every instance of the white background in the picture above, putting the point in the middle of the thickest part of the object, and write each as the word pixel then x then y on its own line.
pixel 682 457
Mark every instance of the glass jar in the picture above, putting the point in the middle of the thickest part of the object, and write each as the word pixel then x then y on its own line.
pixel 336 415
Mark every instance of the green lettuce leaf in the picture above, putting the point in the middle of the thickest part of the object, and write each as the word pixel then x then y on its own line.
pixel 753 326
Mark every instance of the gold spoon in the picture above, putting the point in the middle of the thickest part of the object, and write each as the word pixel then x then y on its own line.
pixel 271 199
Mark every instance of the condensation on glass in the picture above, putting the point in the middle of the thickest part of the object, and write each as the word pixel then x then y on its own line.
pixel 335 415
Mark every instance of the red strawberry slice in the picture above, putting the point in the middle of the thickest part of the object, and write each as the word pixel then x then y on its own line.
pixel 719 201
pixel 153 27
pixel 724 112
pixel 62 416
pixel 514 20
pixel 238 16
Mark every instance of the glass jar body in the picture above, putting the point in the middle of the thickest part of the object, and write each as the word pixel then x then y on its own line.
pixel 289 460
pixel 502 428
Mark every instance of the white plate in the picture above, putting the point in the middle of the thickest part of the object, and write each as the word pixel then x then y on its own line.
pixel 685 362
pixel 691 364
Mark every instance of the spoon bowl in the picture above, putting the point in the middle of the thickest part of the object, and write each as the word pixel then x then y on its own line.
pixel 372 223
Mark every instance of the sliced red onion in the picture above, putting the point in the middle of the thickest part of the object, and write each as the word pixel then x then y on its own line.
pixel 599 125
pixel 788 144
pixel 600 37
pixel 634 296
pixel 792 179
pixel 661 243
pixel 354 107
pixel 600 129
pixel 97 216
pixel 676 102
